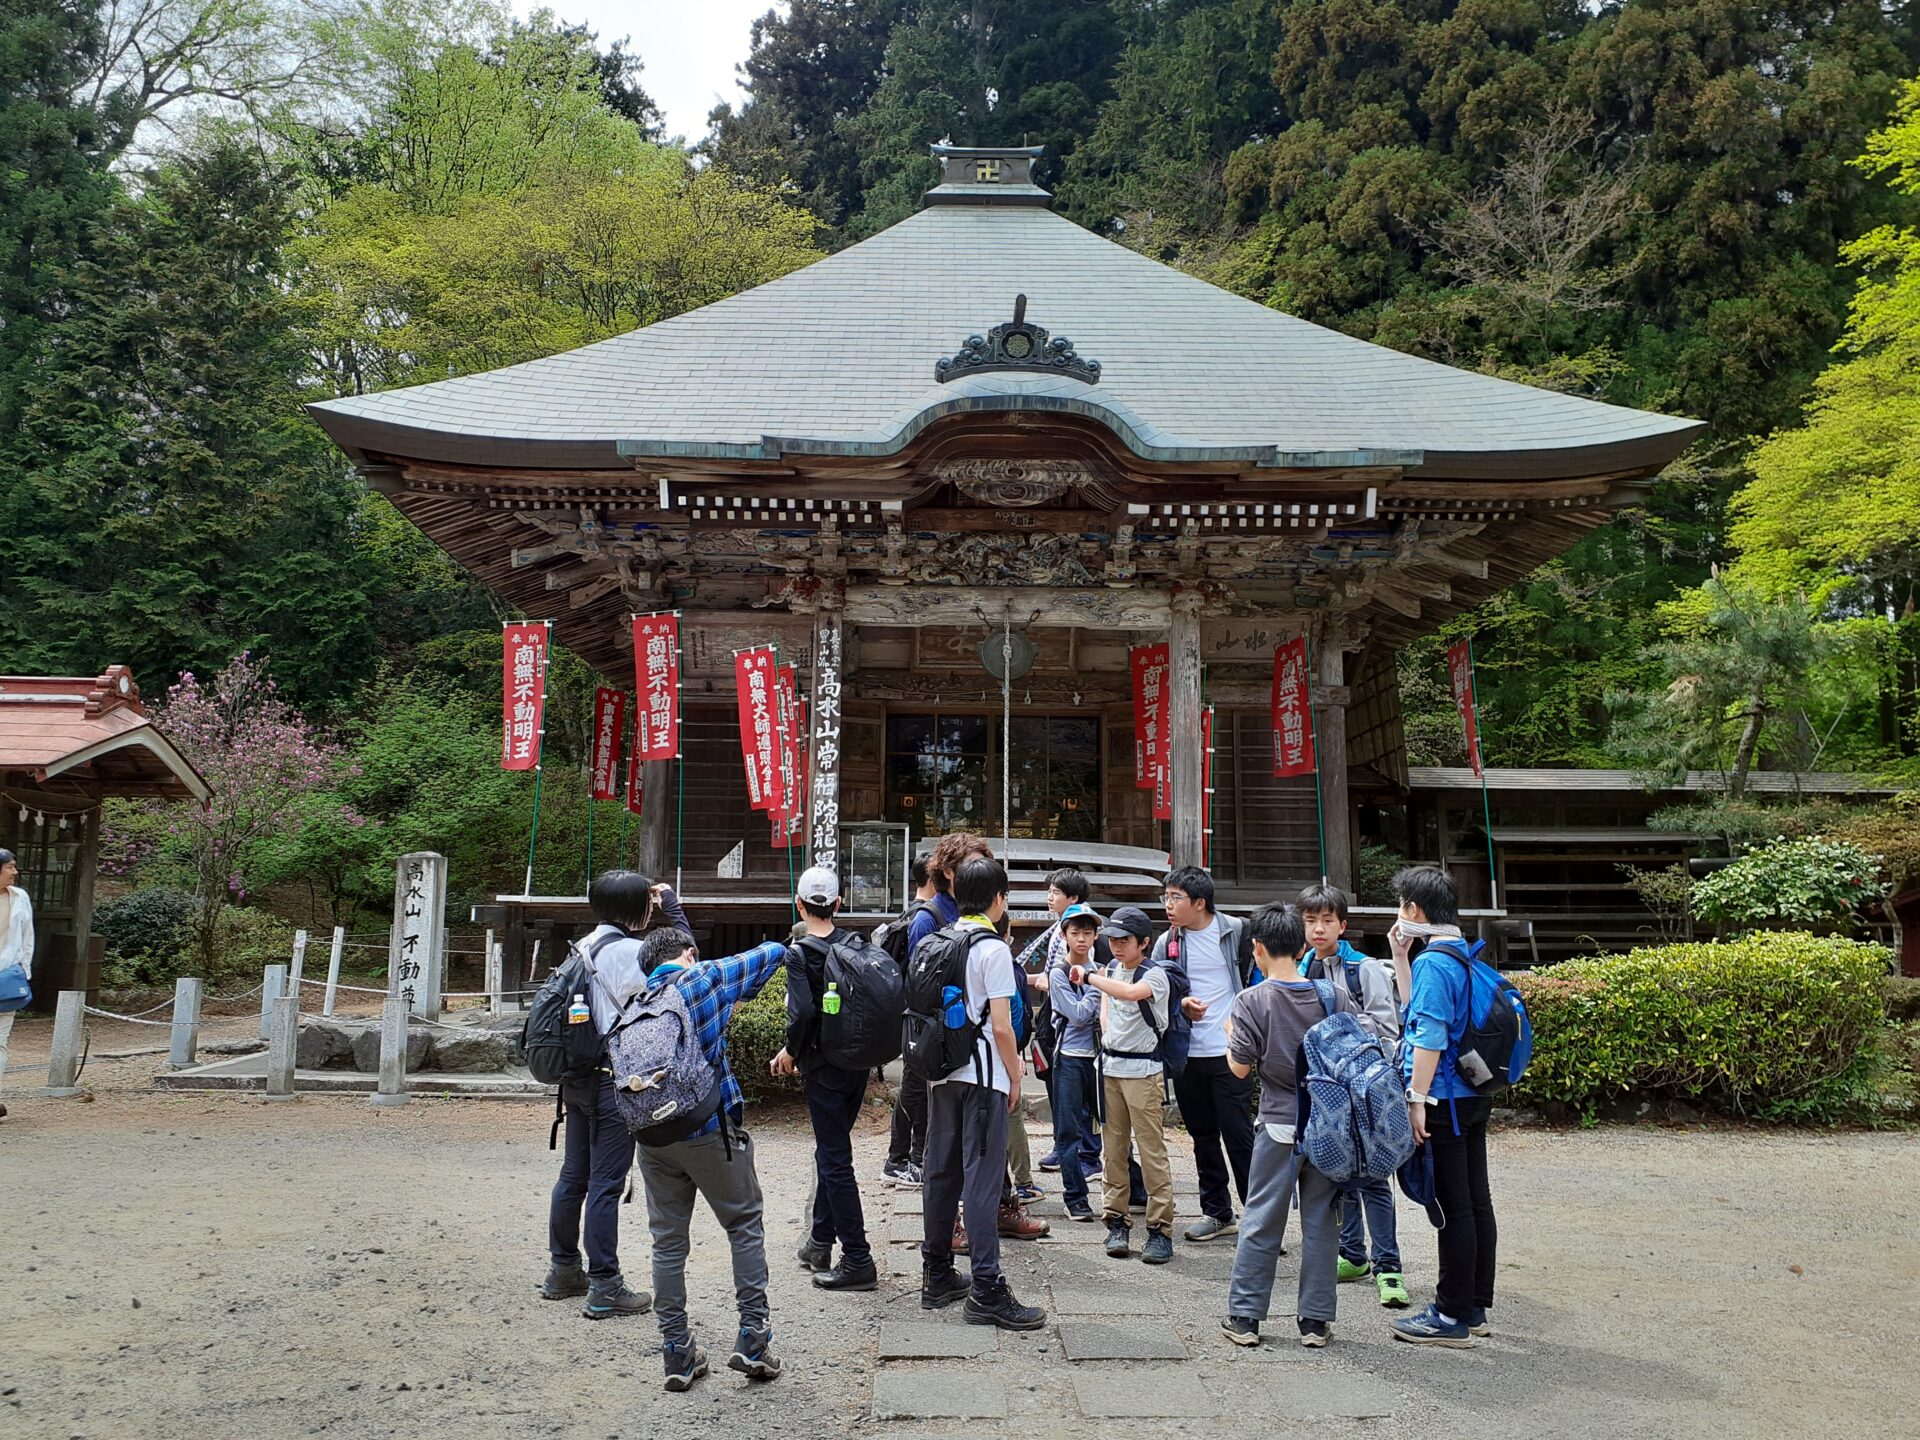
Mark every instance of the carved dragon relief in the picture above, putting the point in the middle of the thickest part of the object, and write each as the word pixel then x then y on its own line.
pixel 1015 483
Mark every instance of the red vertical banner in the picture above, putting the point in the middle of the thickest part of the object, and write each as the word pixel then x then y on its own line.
pixel 1206 787
pixel 1460 673
pixel 656 678
pixel 786 721
pixel 633 764
pixel 753 678
pixel 609 709
pixel 790 822
pixel 1153 741
pixel 1292 711
pixel 524 700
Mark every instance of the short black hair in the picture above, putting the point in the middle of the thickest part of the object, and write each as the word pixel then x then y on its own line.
pixel 977 884
pixel 1429 887
pixel 819 912
pixel 621 897
pixel 1321 897
pixel 660 946
pixel 919 871
pixel 1070 883
pixel 1279 930
pixel 1195 881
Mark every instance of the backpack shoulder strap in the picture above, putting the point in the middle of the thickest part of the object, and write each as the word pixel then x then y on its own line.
pixel 1329 1002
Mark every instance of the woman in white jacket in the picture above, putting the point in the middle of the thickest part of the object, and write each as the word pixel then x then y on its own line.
pixel 16 941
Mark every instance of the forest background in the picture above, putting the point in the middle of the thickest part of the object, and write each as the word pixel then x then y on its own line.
pixel 214 211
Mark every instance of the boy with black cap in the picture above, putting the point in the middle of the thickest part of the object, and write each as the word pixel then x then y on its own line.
pixel 833 1094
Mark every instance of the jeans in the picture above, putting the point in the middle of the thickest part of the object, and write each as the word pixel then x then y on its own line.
pixel 833 1103
pixel 674 1174
pixel 966 1170
pixel 1375 1198
pixel 1469 1237
pixel 598 1155
pixel 1275 1173
pixel 1073 1082
pixel 909 1142
pixel 1217 1108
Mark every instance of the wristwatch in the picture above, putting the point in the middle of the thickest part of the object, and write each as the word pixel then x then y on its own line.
pixel 1415 1097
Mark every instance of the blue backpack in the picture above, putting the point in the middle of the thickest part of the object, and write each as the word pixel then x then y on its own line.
pixel 1496 1042
pixel 1353 1104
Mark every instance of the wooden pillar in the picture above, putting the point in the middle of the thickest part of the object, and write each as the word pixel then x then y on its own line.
pixel 829 660
pixel 659 809
pixel 1330 697
pixel 1183 721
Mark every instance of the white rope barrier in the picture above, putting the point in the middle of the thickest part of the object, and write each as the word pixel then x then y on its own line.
pixel 128 1019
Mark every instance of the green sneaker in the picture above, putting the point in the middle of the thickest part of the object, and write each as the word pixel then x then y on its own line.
pixel 1349 1271
pixel 1393 1290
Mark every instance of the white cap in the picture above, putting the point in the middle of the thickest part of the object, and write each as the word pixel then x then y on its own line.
pixel 818 886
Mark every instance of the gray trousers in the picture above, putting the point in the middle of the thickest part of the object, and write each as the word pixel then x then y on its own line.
pixel 673 1175
pixel 966 1164
pixel 1270 1185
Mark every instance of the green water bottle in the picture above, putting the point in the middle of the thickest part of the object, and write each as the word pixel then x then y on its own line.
pixel 830 1002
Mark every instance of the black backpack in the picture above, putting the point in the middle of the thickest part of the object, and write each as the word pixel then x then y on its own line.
pixel 558 1051
pixel 896 936
pixel 866 1031
pixel 929 1046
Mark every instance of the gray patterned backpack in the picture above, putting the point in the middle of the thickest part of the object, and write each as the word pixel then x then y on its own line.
pixel 662 1084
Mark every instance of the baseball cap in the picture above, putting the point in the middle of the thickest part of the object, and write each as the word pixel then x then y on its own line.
pixel 818 886
pixel 1078 911
pixel 1127 920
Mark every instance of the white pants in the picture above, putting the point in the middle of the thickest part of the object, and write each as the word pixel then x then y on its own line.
pixel 6 1029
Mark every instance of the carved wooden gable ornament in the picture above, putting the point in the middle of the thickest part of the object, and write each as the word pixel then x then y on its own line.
pixel 1018 346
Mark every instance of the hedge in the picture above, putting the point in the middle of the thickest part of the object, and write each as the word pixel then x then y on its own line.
pixel 754 1036
pixel 1779 1026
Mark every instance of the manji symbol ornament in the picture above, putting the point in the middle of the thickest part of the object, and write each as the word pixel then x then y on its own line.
pixel 1018 346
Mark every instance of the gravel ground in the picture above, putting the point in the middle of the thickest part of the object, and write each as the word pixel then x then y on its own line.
pixel 214 1266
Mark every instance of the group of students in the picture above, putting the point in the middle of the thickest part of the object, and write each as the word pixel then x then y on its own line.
pixel 1114 1018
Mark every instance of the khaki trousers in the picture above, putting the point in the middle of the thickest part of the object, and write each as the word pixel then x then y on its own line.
pixel 1136 1115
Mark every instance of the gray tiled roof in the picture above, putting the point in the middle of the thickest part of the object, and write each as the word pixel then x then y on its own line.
pixel 838 358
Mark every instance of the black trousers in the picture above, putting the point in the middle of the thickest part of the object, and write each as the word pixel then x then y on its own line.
pixel 1469 1237
pixel 592 1175
pixel 909 1143
pixel 1217 1108
pixel 833 1104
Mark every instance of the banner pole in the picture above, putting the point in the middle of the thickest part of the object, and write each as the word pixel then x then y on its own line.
pixel 1486 805
pixel 591 807
pixel 539 772
pixel 1319 799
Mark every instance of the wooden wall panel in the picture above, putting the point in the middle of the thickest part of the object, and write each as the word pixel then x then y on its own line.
pixel 1266 832
pixel 1376 731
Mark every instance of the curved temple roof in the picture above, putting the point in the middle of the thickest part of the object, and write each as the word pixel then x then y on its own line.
pixel 838 359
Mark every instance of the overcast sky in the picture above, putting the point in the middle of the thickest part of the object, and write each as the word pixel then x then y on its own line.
pixel 688 46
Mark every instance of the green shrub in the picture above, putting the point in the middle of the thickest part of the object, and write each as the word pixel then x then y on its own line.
pixel 1782 1026
pixel 1790 883
pixel 1902 995
pixel 754 1036
pixel 146 933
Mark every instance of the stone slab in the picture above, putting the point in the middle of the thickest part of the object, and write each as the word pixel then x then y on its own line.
pixel 1304 1395
pixel 1143 1340
pixel 932 1340
pixel 1073 1232
pixel 1137 1392
pixel 903 1260
pixel 1089 1299
pixel 937 1392
pixel 909 1202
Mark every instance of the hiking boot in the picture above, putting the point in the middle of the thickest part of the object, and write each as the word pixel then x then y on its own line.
pixel 1476 1321
pixel 685 1364
pixel 1159 1248
pixel 1211 1227
pixel 1428 1328
pixel 1241 1330
pixel 1314 1334
pixel 1079 1210
pixel 961 1245
pixel 1015 1224
pixel 993 1304
pixel 1393 1292
pixel 1050 1162
pixel 848 1275
pixel 1346 1270
pixel 1117 1244
pixel 940 1288
pixel 563 1282
pixel 752 1358
pixel 1027 1194
pixel 815 1257
pixel 607 1298
pixel 902 1173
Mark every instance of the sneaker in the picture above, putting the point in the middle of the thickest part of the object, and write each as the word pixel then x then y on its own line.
pixel 1393 1292
pixel 902 1173
pixel 1314 1334
pixel 1241 1330
pixel 1027 1194
pixel 994 1304
pixel 1117 1244
pixel 752 1358
pixel 1050 1162
pixel 685 1364
pixel 1346 1270
pixel 1427 1328
pixel 940 1288
pixel 1158 1249
pixel 1476 1321
pixel 815 1257
pixel 960 1245
pixel 1212 1227
pixel 1017 1224
pixel 849 1276
pixel 607 1298
pixel 1079 1210
pixel 563 1282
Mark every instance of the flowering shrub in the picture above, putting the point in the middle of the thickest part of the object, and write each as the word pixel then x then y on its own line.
pixel 1790 883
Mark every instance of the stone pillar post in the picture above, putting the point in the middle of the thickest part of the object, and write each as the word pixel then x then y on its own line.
pixel 829 639
pixel 69 1032
pixel 417 945
pixel 185 1035
pixel 282 1045
pixel 392 1089
pixel 1330 697
pixel 273 984
pixel 1183 725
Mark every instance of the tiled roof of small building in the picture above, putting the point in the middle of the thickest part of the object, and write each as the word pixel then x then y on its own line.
pixel 90 729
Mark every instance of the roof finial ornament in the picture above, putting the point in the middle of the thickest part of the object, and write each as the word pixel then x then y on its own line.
pixel 1018 346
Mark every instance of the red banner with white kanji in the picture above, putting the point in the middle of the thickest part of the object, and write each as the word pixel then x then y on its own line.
pixel 753 678
pixel 524 699
pixel 786 722
pixel 609 708
pixel 790 825
pixel 1292 711
pixel 633 765
pixel 1460 673
pixel 656 679
pixel 1152 736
